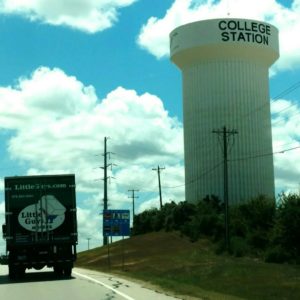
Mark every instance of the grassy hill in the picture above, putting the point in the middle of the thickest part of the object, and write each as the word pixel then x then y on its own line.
pixel 174 263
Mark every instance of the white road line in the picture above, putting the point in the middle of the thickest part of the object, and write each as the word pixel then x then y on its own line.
pixel 103 284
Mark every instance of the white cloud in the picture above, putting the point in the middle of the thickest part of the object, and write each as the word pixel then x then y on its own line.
pixel 45 96
pixel 149 204
pixel 286 128
pixel 86 15
pixel 1 188
pixel 2 208
pixel 154 35
pixel 171 176
pixel 88 223
pixel 59 125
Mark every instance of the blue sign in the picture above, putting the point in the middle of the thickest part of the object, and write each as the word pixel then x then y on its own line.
pixel 116 222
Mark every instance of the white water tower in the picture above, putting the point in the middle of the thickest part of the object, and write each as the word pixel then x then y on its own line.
pixel 225 64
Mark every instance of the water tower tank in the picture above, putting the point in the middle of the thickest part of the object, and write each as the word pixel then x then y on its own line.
pixel 225 69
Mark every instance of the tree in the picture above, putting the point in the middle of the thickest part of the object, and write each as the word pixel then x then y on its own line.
pixel 254 221
pixel 145 222
pixel 286 232
pixel 206 220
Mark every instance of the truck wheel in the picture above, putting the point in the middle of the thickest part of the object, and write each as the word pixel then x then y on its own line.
pixel 20 272
pixel 58 271
pixel 15 272
pixel 68 271
pixel 12 272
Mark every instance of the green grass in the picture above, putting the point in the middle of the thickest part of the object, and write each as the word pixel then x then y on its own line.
pixel 175 264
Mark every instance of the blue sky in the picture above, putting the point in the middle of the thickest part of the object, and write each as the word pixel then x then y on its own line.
pixel 73 72
pixel 105 59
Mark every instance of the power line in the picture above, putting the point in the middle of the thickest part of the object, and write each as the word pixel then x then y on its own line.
pixel 292 116
pixel 287 91
pixel 265 154
pixel 196 179
pixel 174 187
pixel 285 108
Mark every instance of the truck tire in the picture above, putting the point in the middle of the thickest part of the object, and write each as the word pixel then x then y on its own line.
pixel 20 271
pixel 16 272
pixel 12 272
pixel 68 271
pixel 58 271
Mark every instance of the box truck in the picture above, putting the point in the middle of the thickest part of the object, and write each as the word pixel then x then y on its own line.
pixel 40 223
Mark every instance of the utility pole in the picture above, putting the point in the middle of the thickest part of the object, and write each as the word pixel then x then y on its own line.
pixel 105 198
pixel 159 185
pixel 88 239
pixel 133 196
pixel 225 135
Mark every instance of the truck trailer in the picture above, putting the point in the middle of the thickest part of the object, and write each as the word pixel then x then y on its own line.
pixel 40 223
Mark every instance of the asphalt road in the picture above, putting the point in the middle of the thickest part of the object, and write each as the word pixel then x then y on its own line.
pixel 83 285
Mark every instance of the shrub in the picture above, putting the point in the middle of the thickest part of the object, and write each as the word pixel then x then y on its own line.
pixel 276 254
pixel 238 246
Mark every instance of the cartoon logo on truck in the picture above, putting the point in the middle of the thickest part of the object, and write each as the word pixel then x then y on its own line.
pixel 45 215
